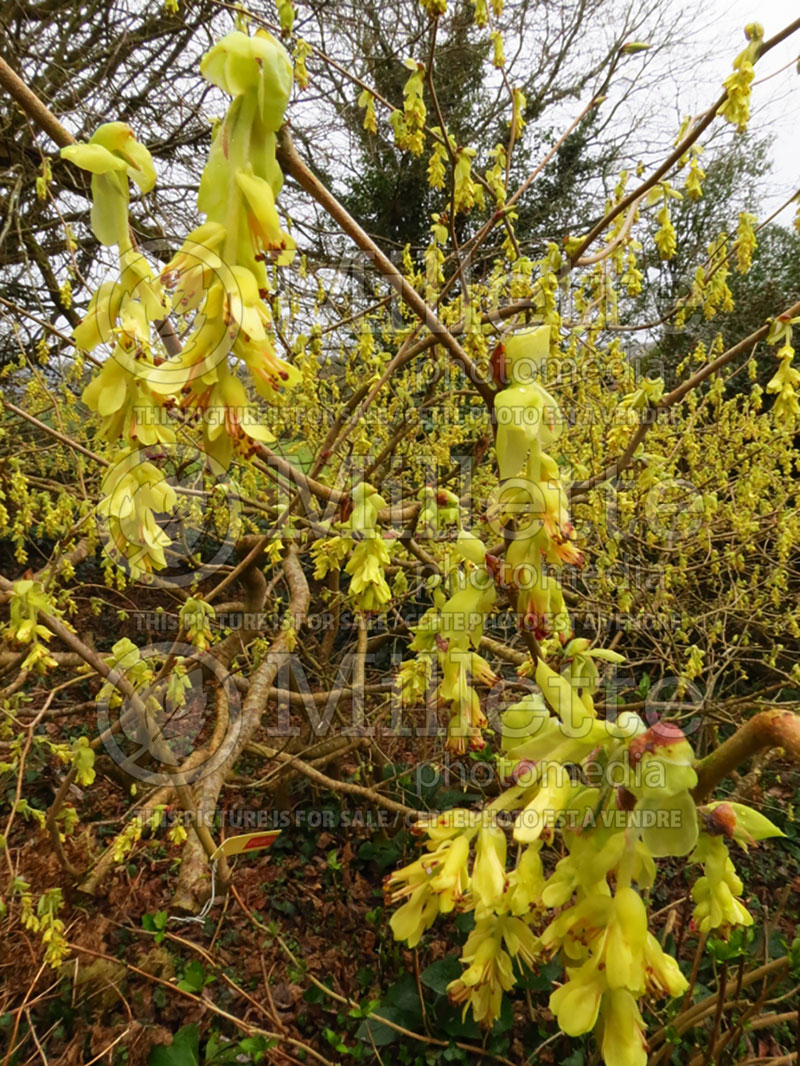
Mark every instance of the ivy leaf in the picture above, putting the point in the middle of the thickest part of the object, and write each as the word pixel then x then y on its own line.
pixel 440 973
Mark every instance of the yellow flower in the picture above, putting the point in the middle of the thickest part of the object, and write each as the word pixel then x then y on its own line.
pixel 715 894
pixel 662 973
pixel 563 697
pixel 244 305
pixel 97 324
pixel 112 156
pixel 240 64
pixel 229 420
pixel 525 881
pixel 270 374
pixel 134 492
pixel 262 218
pixel 366 566
pixel 576 1003
pixel 626 934
pixel 489 868
pixel 489 950
pixel 193 266
pixel 541 811
pixel 623 1042
pixel 444 826
pixel 451 879
pixel 119 394
pixel 416 915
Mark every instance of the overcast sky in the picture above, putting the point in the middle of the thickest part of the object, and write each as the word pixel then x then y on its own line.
pixel 776 101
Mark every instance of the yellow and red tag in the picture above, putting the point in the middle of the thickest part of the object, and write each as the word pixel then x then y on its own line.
pixel 246 842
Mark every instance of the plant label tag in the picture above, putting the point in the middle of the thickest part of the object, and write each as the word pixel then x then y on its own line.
pixel 246 842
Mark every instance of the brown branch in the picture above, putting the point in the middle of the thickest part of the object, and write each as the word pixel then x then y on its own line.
pixel 615 468
pixel 68 441
pixel 192 881
pixel 677 394
pixel 203 1002
pixel 294 165
pixel 159 744
pixel 347 788
pixel 33 106
pixel 502 651
pixel 705 372
pixel 680 151
pixel 768 729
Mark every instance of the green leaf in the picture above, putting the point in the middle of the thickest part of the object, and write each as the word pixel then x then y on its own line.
pixel 195 978
pixel 155 923
pixel 440 973
pixel 256 1046
pixel 183 1051
pixel 382 1034
pixel 737 945
pixel 794 957
pixel 404 996
pixel 577 1058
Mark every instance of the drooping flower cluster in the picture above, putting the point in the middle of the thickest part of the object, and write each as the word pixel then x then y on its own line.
pixel 452 629
pixel 716 894
pixel 611 959
pixel 785 381
pixel 619 795
pixel 363 541
pixel 218 277
pixel 531 509
pixel 736 106
pixel 219 274
pixel 121 311
pixel 409 124
pixel 448 878
pixel 28 598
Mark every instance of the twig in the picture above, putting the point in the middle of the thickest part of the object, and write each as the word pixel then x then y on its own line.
pixel 294 165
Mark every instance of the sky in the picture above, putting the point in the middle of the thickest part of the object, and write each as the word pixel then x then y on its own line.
pixel 775 101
